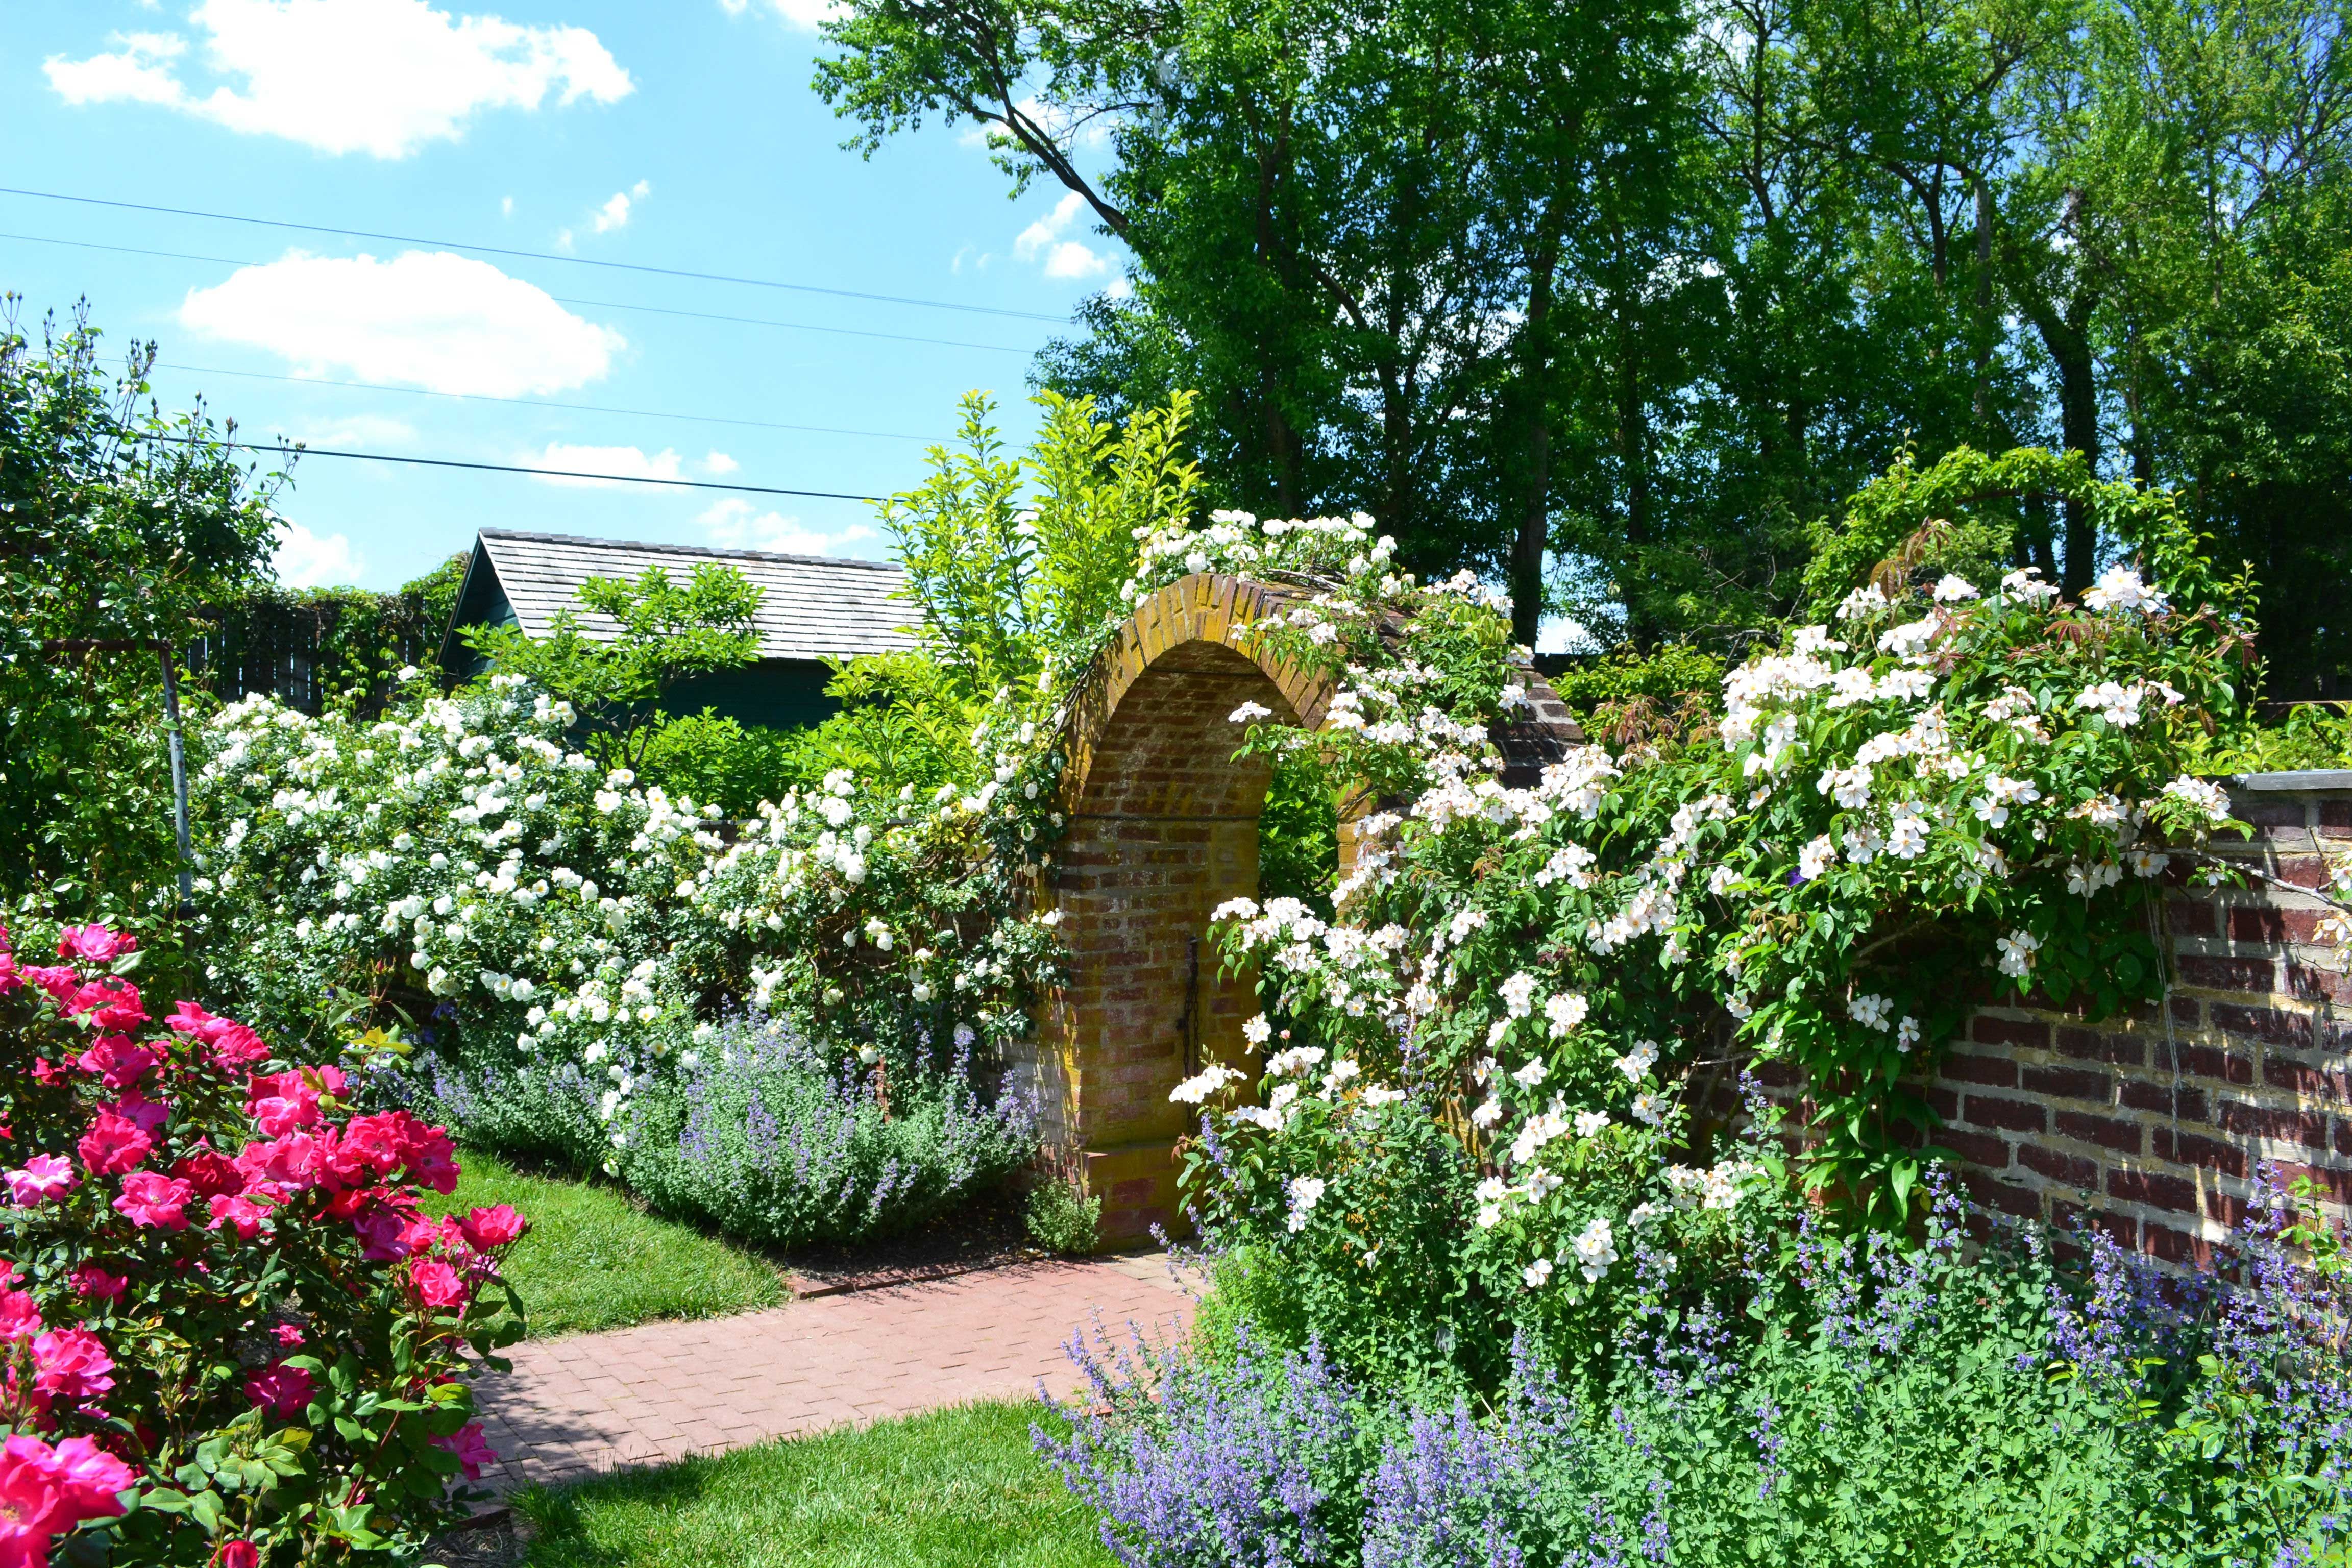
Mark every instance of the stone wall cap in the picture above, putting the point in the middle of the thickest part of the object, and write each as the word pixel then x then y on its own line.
pixel 2300 779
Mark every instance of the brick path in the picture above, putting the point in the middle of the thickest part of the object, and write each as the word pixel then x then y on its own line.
pixel 594 1403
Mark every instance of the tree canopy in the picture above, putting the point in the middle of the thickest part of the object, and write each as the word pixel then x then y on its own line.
pixel 1613 299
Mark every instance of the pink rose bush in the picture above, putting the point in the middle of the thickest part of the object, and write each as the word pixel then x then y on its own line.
pixel 228 1332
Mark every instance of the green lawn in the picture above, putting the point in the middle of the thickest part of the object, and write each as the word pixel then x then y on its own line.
pixel 955 1489
pixel 593 1260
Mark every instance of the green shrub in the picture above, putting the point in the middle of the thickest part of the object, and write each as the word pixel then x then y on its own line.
pixel 714 760
pixel 1666 677
pixel 1830 1401
pixel 1063 1216
pixel 2313 735
pixel 220 1302
pixel 1298 834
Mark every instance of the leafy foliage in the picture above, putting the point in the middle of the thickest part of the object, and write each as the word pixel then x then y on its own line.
pixel 351 644
pixel 1611 300
pixel 1062 1216
pixel 657 633
pixel 1824 1399
pixel 727 765
pixel 1009 582
pixel 119 526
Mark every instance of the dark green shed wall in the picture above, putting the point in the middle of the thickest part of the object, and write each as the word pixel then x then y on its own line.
pixel 780 693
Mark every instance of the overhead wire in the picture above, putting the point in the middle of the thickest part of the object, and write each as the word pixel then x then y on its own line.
pixel 562 300
pixel 532 255
pixel 295 449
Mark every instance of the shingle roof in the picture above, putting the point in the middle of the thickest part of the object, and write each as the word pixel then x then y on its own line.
pixel 813 606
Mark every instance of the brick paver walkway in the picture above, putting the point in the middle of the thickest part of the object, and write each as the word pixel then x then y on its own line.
pixel 592 1402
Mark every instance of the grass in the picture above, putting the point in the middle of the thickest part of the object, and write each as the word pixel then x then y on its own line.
pixel 594 1261
pixel 955 1489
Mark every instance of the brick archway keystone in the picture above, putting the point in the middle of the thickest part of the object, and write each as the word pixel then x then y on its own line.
pixel 1163 827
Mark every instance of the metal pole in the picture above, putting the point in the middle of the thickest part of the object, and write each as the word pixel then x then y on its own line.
pixel 179 778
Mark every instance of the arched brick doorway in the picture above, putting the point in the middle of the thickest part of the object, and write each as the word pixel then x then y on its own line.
pixel 1163 828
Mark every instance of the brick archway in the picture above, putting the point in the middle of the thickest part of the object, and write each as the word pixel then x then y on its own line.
pixel 1163 828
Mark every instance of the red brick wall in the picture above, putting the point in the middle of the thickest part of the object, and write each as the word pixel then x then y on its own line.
pixel 2151 1127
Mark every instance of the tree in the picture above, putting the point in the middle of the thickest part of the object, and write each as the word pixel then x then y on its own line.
pixel 1014 580
pixel 1351 220
pixel 654 634
pixel 1612 299
pixel 119 526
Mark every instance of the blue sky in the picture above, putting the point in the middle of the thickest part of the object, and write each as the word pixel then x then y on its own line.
pixel 679 135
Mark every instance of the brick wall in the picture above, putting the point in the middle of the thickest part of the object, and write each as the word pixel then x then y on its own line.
pixel 2151 1127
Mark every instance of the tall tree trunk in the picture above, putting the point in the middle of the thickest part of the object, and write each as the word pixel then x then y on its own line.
pixel 1535 520
pixel 2142 439
pixel 1981 420
pixel 2068 338
pixel 2064 328
pixel 1534 489
pixel 1633 454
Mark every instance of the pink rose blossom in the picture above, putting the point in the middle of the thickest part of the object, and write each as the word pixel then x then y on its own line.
pixel 94 944
pixel 60 981
pixel 280 1103
pixel 293 1164
pixel 438 1286
pixel 370 1147
pixel 241 1214
pixel 46 1491
pixel 472 1452
pixel 113 1144
pixel 282 1390
pixel 112 1004
pixel 118 1061
pixel 289 1335
pixel 383 1232
pixel 233 1046
pixel 487 1230
pixel 210 1172
pixel 148 1115
pixel 71 1364
pixel 155 1200
pixel 432 1161
pixel 19 1318
pixel 98 1285
pixel 45 1176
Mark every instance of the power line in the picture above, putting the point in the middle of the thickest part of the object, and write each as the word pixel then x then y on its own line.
pixel 533 402
pixel 300 451
pixel 560 299
pixel 532 255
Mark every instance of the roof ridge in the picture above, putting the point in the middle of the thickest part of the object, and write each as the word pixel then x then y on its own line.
pixel 686 550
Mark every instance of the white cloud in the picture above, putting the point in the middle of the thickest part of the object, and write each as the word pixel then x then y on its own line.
pixel 720 463
pixel 808 14
pixel 736 524
pixel 614 214
pixel 1063 257
pixel 1071 260
pixel 447 323
pixel 381 77
pixel 506 206
pixel 621 462
pixel 304 560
